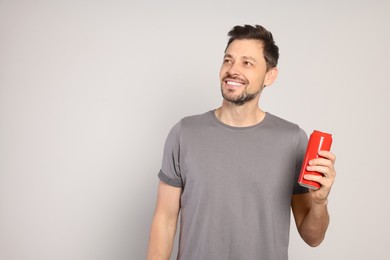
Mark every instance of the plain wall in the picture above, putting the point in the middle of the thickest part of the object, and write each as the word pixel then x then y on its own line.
pixel 90 89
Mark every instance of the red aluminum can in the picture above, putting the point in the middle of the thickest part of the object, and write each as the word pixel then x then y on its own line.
pixel 318 141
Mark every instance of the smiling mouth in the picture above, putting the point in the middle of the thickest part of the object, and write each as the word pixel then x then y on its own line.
pixel 234 83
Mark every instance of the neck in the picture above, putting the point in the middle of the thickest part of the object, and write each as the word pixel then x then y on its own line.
pixel 248 114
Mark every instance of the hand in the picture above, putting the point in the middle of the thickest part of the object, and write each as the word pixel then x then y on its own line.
pixel 325 166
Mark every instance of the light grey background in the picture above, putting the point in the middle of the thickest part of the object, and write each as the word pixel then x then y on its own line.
pixel 90 89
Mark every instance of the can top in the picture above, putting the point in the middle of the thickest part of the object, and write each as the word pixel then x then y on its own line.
pixel 321 133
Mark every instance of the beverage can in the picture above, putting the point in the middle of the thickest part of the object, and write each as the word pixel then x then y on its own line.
pixel 318 141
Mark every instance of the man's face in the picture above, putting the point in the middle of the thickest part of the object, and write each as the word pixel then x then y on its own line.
pixel 243 73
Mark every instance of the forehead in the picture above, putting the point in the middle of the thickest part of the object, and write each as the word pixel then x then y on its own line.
pixel 240 48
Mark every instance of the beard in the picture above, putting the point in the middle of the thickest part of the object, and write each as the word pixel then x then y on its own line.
pixel 240 99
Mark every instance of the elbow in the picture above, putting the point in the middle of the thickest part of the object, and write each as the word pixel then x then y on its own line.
pixel 314 244
pixel 312 237
pixel 313 241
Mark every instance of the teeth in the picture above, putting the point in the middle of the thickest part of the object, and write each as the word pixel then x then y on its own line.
pixel 234 83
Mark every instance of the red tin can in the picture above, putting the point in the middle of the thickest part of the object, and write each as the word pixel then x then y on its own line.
pixel 318 141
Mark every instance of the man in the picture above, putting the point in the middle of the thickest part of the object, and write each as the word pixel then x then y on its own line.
pixel 232 172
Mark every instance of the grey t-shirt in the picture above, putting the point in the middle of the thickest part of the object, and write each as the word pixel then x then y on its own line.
pixel 237 184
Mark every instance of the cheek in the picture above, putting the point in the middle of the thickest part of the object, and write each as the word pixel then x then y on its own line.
pixel 258 78
pixel 223 71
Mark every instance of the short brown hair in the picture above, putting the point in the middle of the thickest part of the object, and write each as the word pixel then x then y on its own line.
pixel 257 32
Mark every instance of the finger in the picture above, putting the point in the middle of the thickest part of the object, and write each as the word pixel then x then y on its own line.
pixel 321 162
pixel 327 155
pixel 325 183
pixel 324 170
pixel 316 178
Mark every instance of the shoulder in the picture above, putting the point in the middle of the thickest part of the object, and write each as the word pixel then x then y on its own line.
pixel 278 122
pixel 190 123
pixel 285 127
pixel 195 120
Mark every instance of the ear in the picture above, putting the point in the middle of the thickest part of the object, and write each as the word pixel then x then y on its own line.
pixel 270 76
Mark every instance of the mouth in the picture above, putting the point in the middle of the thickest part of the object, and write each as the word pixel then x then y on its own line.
pixel 234 83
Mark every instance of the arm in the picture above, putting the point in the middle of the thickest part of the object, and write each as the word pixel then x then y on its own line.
pixel 310 210
pixel 164 223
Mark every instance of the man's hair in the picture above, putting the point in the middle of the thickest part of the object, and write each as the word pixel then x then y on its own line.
pixel 257 32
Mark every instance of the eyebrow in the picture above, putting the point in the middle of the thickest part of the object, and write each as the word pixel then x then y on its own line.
pixel 249 58
pixel 227 55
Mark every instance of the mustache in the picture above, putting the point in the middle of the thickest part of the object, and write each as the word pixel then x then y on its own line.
pixel 234 77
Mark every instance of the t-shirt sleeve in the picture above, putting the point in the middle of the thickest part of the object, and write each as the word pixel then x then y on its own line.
pixel 301 150
pixel 170 168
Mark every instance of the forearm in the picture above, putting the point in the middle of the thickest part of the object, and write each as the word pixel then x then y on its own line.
pixel 315 224
pixel 162 235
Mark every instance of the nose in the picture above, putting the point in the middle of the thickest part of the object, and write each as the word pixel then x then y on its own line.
pixel 233 69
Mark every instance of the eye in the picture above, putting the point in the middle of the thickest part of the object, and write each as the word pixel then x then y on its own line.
pixel 248 63
pixel 227 61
